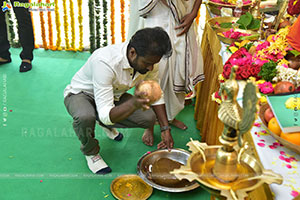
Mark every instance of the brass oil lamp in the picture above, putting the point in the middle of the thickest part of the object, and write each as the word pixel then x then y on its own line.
pixel 229 170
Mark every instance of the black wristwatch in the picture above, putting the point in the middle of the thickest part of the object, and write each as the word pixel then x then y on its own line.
pixel 164 128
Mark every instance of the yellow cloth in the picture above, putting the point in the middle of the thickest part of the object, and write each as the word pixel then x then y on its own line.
pixel 294 35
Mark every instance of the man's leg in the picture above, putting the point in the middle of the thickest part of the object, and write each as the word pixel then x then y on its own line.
pixel 25 35
pixel 139 119
pixel 83 110
pixel 4 43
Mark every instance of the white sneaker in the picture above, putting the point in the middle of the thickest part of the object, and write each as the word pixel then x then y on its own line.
pixel 97 164
pixel 113 133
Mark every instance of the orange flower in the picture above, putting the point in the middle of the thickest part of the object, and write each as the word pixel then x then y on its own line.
pixel 35 45
pixel 73 48
pixel 43 28
pixel 112 21
pixel 50 30
pixel 122 4
pixel 66 25
pixel 57 23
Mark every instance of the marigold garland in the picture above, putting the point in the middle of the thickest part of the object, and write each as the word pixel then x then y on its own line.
pixel 33 29
pixel 98 36
pixel 92 25
pixel 79 2
pixel 104 3
pixel 112 21
pixel 66 25
pixel 50 30
pixel 57 23
pixel 122 4
pixel 45 46
pixel 73 48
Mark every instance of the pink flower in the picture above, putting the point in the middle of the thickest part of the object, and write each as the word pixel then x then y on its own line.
pixel 260 62
pixel 276 144
pixel 266 87
pixel 261 144
pixel 285 66
pixel 256 124
pixel 263 45
pixel 281 157
pixel 272 147
pixel 295 193
pixel 289 166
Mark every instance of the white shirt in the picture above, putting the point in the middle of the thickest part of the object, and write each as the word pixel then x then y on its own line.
pixel 106 76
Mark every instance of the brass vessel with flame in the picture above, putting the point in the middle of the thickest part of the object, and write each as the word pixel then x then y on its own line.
pixel 229 170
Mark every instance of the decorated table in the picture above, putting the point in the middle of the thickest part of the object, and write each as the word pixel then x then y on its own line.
pixel 272 154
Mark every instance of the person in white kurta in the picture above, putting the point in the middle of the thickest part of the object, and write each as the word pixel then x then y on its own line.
pixel 184 69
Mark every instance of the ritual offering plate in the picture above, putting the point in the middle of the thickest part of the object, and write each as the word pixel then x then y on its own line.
pixel 155 167
pixel 236 35
pixel 216 22
pixel 215 7
pixel 130 187
pixel 287 144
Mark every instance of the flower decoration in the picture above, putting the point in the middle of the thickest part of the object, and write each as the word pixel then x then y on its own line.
pixel 246 68
pixel 112 21
pixel 275 48
pixel 57 23
pixel 287 74
pixel 266 87
pixel 50 30
pixel 45 46
pixel 73 48
pixel 79 2
pixel 231 2
pixel 122 4
pixel 233 34
pixel 66 25
pixel 33 29
pixel 293 7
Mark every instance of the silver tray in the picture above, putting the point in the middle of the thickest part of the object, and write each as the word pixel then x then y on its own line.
pixel 153 167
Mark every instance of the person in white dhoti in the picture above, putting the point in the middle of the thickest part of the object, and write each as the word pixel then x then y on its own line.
pixel 184 69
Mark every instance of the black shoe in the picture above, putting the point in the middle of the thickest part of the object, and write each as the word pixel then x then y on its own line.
pixel 25 66
pixel 119 137
pixel 4 62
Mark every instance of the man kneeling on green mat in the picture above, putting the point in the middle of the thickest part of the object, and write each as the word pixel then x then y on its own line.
pixel 97 92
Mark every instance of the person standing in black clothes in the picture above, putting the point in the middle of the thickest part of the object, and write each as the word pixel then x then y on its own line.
pixel 25 36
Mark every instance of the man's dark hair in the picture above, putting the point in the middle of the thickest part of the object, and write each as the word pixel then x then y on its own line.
pixel 151 41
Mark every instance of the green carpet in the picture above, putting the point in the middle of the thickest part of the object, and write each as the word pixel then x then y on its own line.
pixel 39 152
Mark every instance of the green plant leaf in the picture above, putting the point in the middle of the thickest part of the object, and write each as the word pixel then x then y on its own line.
pixel 255 24
pixel 245 20
pixel 268 71
pixel 249 37
pixel 295 52
pixel 226 25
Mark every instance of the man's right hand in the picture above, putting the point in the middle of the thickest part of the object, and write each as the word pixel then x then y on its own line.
pixel 166 140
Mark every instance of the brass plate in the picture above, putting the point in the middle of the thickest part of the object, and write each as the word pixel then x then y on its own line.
pixel 215 7
pixel 287 144
pixel 154 169
pixel 130 187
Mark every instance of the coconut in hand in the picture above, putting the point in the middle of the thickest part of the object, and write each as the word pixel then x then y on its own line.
pixel 151 90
